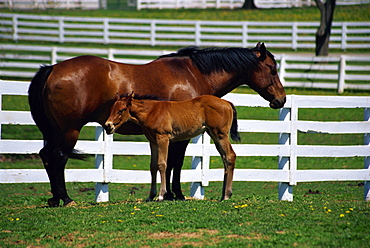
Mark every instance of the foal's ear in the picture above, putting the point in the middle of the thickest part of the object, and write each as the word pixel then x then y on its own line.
pixel 117 97
pixel 129 98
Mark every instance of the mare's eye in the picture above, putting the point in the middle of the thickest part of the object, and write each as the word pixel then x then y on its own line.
pixel 120 112
pixel 273 69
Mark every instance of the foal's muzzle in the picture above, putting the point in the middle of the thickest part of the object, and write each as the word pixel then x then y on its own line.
pixel 278 103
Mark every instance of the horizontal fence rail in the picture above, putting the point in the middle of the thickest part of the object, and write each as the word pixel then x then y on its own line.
pixel 287 148
pixel 291 35
pixel 231 4
pixel 334 72
pixel 53 4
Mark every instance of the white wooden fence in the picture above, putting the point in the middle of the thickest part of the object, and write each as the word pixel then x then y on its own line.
pixel 231 4
pixel 53 4
pixel 287 148
pixel 335 72
pixel 291 35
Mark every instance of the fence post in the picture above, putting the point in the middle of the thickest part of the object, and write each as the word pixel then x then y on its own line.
pixel 106 30
pixel 152 32
pixel 196 189
pixel 367 159
pixel 53 55
pixel 344 36
pixel 197 33
pixel 342 74
pixel 295 36
pixel 282 69
pixel 61 29
pixel 285 190
pixel 15 28
pixel 245 34
pixel 101 188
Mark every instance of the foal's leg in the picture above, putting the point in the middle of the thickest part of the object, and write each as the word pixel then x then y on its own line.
pixel 163 142
pixel 228 156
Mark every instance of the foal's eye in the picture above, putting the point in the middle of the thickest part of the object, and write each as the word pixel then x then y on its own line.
pixel 120 112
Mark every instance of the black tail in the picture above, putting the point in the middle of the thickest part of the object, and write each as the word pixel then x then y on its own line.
pixel 35 93
pixel 35 100
pixel 234 126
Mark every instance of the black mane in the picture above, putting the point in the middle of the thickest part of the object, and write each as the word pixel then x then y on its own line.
pixel 215 59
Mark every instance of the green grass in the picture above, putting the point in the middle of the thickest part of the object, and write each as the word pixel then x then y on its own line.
pixel 342 13
pixel 334 216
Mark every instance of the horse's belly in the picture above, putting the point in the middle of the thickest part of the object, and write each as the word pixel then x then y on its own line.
pixel 188 134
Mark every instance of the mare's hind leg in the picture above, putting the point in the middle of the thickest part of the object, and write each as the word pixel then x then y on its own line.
pixel 54 156
pixel 228 156
pixel 175 160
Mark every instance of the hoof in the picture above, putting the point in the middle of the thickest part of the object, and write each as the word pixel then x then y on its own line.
pixel 180 197
pixel 53 203
pixel 70 204
pixel 169 196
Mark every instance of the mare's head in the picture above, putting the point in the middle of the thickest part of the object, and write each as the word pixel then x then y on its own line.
pixel 265 80
pixel 255 67
pixel 119 113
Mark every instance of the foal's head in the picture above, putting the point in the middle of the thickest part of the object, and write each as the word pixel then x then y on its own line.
pixel 265 80
pixel 119 113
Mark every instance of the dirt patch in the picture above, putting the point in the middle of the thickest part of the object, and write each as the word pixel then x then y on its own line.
pixel 181 239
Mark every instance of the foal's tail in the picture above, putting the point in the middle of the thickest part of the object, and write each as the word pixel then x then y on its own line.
pixel 234 126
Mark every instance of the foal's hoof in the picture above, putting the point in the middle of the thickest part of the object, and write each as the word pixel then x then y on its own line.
pixel 53 203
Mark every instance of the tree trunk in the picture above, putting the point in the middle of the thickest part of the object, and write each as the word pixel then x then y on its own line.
pixel 323 32
pixel 249 4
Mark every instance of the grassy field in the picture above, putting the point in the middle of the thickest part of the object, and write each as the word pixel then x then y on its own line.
pixel 323 214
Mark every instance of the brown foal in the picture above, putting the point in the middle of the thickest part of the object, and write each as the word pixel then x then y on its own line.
pixel 167 121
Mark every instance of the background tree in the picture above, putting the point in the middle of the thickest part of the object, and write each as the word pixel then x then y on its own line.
pixel 249 4
pixel 323 32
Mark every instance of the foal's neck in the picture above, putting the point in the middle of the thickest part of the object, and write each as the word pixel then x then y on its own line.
pixel 139 110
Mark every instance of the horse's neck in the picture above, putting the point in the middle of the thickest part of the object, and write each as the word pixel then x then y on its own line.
pixel 223 82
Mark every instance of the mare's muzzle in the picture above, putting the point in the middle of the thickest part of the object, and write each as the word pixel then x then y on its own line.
pixel 278 103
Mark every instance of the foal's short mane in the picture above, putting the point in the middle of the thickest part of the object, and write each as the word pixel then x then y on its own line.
pixel 143 97
pixel 216 59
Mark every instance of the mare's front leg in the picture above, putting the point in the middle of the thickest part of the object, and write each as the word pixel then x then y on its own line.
pixel 176 154
pixel 228 156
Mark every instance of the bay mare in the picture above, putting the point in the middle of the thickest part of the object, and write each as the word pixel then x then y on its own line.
pixel 167 121
pixel 65 96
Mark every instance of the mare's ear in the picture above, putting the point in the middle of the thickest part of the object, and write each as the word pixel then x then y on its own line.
pixel 263 52
pixel 117 97
pixel 258 44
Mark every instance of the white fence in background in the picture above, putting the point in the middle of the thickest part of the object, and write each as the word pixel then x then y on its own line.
pixel 335 72
pixel 291 35
pixel 53 4
pixel 188 4
pixel 231 4
pixel 287 148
